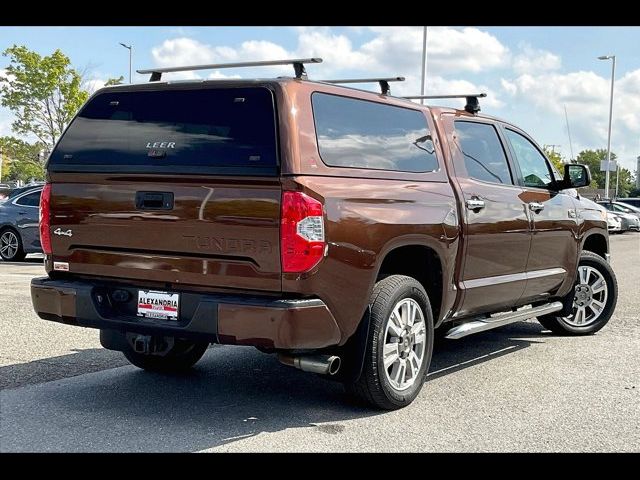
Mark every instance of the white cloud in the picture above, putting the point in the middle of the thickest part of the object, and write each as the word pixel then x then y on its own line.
pixel 508 86
pixel 531 60
pixel 586 96
pixel 437 85
pixel 5 76
pixel 449 50
pixel 5 125
pixel 182 51
pixel 393 51
pixel 94 84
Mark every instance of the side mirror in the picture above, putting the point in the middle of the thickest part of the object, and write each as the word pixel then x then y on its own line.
pixel 576 176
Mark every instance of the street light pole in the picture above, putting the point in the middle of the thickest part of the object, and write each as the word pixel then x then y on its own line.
pixel 424 62
pixel 613 75
pixel 128 47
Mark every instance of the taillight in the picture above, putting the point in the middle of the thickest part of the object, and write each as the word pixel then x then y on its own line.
pixel 45 219
pixel 301 232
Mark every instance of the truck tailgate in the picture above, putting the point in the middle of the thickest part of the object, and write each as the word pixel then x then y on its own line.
pixel 223 233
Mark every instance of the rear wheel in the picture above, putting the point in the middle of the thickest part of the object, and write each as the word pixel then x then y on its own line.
pixel 595 295
pixel 11 249
pixel 180 357
pixel 400 344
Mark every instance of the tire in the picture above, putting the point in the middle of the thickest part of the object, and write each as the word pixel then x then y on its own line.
pixel 11 249
pixel 389 388
pixel 592 319
pixel 182 356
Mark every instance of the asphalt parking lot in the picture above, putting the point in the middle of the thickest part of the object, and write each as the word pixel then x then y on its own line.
pixel 517 388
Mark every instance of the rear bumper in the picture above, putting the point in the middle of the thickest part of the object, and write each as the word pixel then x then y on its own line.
pixel 215 318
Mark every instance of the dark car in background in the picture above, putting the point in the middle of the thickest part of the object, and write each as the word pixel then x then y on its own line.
pixel 19 233
pixel 631 201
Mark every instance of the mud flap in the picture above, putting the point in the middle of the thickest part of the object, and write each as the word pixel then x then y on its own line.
pixel 352 353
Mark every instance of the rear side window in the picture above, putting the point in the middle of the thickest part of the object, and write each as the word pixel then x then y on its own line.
pixel 178 130
pixel 484 157
pixel 361 134
pixel 30 200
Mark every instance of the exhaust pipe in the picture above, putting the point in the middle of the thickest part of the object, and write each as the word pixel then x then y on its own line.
pixel 322 364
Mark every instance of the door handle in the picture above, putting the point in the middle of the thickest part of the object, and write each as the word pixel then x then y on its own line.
pixel 536 207
pixel 475 204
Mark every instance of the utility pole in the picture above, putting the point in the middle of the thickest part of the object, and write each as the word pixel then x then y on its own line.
pixel 1 164
pixel 424 62
pixel 552 147
pixel 613 76
pixel 128 47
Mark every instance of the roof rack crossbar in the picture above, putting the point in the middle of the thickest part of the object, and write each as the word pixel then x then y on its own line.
pixel 383 82
pixel 298 66
pixel 472 106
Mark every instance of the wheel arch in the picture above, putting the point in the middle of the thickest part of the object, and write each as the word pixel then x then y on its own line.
pixel 421 261
pixel 597 243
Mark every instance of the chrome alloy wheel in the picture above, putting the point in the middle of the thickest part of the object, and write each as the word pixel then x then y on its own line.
pixel 590 297
pixel 404 344
pixel 8 244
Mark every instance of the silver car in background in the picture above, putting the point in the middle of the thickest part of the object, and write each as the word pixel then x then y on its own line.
pixel 614 222
pixel 630 218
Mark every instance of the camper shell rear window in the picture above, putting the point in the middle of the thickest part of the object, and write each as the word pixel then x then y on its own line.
pixel 214 130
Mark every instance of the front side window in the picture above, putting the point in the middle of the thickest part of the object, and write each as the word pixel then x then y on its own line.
pixel 484 157
pixel 534 167
pixel 31 200
pixel 361 134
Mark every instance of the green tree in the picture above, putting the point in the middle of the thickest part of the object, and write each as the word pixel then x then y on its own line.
pixel 44 93
pixel 21 160
pixel 592 159
pixel 556 160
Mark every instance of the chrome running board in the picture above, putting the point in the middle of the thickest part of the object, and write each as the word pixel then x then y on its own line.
pixel 475 326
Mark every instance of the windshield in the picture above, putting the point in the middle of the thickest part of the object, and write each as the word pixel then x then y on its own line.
pixel 627 208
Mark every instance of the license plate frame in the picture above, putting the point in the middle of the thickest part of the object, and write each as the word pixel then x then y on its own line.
pixel 158 305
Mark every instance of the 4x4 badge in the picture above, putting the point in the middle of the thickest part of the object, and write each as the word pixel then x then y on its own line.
pixel 67 233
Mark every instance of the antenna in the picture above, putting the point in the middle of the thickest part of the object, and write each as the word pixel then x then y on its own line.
pixel 298 66
pixel 569 132
pixel 472 106
pixel 384 82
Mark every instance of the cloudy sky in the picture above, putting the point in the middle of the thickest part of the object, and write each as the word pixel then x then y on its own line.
pixel 530 73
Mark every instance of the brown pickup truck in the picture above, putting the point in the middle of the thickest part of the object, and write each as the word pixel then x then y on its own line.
pixel 338 228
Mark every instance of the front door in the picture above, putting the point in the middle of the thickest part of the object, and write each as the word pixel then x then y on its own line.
pixel 554 246
pixel 496 229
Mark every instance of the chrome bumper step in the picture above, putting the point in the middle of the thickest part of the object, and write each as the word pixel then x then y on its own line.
pixel 475 326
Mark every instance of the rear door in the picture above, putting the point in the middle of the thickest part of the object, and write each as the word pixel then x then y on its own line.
pixel 554 246
pixel 171 184
pixel 496 231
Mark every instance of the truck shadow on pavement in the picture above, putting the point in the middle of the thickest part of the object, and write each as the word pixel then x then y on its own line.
pixel 231 394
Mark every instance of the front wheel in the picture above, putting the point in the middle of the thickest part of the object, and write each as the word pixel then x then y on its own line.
pixel 595 295
pixel 399 345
